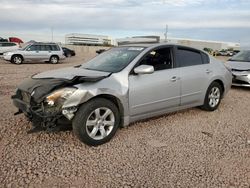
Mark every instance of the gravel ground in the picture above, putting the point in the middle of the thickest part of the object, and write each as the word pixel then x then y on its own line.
pixel 191 148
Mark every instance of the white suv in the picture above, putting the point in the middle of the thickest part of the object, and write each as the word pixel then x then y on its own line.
pixel 39 52
pixel 7 47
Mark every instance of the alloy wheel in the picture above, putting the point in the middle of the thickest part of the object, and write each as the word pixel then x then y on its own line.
pixel 17 60
pixel 100 123
pixel 214 97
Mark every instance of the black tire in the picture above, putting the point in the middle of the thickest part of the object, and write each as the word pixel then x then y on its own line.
pixel 87 112
pixel 54 59
pixel 17 59
pixel 211 106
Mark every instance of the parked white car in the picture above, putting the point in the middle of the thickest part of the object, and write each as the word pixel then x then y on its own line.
pixel 38 52
pixel 7 47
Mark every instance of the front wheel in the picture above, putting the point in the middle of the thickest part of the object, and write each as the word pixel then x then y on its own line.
pixel 54 59
pixel 96 122
pixel 17 59
pixel 213 97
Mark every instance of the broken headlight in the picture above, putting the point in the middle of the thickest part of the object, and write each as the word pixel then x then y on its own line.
pixel 60 95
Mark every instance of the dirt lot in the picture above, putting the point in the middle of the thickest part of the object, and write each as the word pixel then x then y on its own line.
pixel 191 148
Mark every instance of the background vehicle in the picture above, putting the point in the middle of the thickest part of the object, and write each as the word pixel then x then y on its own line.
pixel 123 85
pixel 7 47
pixel 100 51
pixel 240 66
pixel 38 52
pixel 68 52
pixel 225 53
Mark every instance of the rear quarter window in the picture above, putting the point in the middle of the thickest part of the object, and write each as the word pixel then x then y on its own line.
pixel 188 57
pixel 205 58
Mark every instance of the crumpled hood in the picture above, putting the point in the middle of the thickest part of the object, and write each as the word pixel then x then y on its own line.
pixel 238 65
pixel 70 73
pixel 42 84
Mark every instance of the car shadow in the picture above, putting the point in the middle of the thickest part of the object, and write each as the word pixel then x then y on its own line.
pixel 240 88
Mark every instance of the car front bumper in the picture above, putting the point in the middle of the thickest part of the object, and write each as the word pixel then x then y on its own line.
pixel 241 79
pixel 7 57
pixel 36 113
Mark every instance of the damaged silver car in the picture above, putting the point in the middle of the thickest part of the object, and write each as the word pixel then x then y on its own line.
pixel 240 67
pixel 120 86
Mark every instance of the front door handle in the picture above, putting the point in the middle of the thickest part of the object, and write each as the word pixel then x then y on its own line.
pixel 208 71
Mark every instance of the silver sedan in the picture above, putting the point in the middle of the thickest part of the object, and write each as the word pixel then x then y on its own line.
pixel 240 66
pixel 123 85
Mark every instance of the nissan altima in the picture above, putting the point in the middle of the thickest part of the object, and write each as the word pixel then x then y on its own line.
pixel 120 86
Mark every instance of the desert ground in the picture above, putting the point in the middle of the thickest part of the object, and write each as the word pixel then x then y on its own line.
pixel 190 148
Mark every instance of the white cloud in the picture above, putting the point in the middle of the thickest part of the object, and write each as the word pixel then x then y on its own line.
pixel 147 16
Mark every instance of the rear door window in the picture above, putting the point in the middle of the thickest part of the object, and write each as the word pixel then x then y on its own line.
pixel 45 48
pixel 35 48
pixel 55 48
pixel 188 57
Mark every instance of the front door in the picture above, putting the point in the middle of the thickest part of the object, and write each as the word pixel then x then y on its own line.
pixel 195 75
pixel 158 91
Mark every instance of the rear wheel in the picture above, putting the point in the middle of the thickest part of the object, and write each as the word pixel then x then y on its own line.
pixel 96 122
pixel 17 59
pixel 54 59
pixel 213 97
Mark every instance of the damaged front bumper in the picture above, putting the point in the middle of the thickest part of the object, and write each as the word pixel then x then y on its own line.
pixel 241 78
pixel 40 114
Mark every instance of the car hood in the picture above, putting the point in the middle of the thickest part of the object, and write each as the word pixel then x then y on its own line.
pixel 239 65
pixel 70 73
pixel 41 84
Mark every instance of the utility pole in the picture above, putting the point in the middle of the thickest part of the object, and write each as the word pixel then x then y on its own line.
pixel 166 33
pixel 52 34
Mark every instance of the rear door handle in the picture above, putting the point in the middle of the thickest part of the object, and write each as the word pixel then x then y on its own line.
pixel 208 71
pixel 174 78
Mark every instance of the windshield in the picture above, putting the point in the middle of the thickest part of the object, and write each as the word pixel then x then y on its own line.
pixel 113 60
pixel 25 46
pixel 241 56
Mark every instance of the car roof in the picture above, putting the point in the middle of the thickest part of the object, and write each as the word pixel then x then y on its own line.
pixel 153 45
pixel 45 43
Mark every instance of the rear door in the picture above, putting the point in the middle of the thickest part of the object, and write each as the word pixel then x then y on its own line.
pixel 45 52
pixel 195 73
pixel 32 53
pixel 156 92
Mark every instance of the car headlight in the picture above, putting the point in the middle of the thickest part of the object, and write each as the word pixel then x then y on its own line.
pixel 60 95
pixel 7 53
pixel 228 67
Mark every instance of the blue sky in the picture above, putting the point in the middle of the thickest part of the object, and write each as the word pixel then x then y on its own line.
pixel 222 20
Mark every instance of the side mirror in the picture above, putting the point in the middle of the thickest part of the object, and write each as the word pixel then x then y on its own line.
pixel 144 69
pixel 28 49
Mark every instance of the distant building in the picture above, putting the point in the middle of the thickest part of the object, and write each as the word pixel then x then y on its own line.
pixel 201 44
pixel 138 40
pixel 90 40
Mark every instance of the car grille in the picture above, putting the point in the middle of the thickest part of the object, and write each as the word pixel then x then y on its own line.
pixel 236 70
pixel 239 82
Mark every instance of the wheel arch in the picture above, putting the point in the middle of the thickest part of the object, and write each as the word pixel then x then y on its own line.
pixel 18 55
pixel 114 100
pixel 55 55
pixel 219 81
